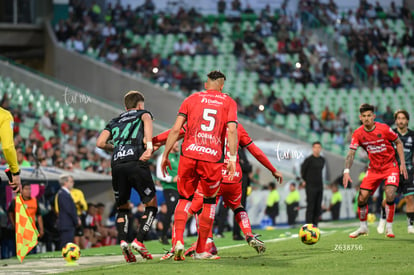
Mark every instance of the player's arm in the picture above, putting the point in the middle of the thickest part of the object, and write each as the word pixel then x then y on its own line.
pixel 262 158
pixel 102 141
pixel 40 223
pixel 7 143
pixel 9 151
pixel 161 139
pixel 349 160
pixel 147 119
pixel 172 138
pixel 232 142
pixel 400 151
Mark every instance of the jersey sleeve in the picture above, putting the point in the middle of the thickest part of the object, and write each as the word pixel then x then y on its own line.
pixel 261 157
pixel 232 116
pixel 183 111
pixel 245 139
pixel 7 142
pixel 390 134
pixel 354 141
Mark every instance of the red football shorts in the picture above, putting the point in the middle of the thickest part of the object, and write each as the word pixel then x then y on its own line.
pixel 191 172
pixel 373 178
pixel 231 193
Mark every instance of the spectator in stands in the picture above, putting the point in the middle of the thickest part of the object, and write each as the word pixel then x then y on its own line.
pixel 328 118
pixel 36 133
pixel 221 6
pixel 45 121
pixel 347 79
pixel 29 111
pixel 396 80
pixel 265 75
pixel 385 79
pixel 21 159
pixel 388 116
pixel 315 124
pixel 304 106
pixel 293 107
pixel 108 30
pixel 179 48
pixel 279 107
pixel 338 138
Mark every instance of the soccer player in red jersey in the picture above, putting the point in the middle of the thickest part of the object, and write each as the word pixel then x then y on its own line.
pixel 207 114
pixel 230 189
pixel 376 139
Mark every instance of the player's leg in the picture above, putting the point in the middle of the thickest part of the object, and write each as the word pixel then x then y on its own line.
pixel 187 183
pixel 407 188
pixel 210 178
pixel 390 191
pixel 122 192
pixel 171 198
pixel 410 212
pixel 141 180
pixel 318 207
pixel 362 213
pixel 391 185
pixel 383 218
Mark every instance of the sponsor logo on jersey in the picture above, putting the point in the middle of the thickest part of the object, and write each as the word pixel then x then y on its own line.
pixel 376 148
pixel 122 153
pixel 197 148
pixel 211 101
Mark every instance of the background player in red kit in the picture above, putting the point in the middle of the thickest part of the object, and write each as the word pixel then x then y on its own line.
pixel 231 190
pixel 376 139
pixel 207 114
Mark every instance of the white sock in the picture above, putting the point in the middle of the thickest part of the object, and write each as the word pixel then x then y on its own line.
pixel 363 224
pixel 389 225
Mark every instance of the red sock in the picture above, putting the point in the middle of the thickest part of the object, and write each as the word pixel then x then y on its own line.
pixel 180 219
pixel 243 220
pixel 363 212
pixel 196 203
pixel 389 210
pixel 206 219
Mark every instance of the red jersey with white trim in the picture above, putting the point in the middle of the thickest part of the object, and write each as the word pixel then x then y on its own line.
pixel 377 143
pixel 207 116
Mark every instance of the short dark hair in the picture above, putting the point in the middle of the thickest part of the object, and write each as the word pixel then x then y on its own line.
pixel 132 98
pixel 25 183
pixel 214 75
pixel 366 107
pixel 272 185
pixel 316 143
pixel 401 111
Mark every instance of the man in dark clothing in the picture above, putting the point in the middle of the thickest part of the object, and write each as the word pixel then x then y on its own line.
pixel 311 172
pixel 68 219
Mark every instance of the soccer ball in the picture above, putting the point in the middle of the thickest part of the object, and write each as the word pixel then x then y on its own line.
pixel 71 252
pixel 309 234
pixel 371 218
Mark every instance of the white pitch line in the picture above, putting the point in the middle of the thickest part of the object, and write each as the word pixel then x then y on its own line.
pixel 294 236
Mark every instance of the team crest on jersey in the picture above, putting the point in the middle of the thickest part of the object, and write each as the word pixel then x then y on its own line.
pixel 409 140
pixel 379 135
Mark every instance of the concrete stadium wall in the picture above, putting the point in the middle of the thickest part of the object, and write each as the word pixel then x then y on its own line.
pixel 109 83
